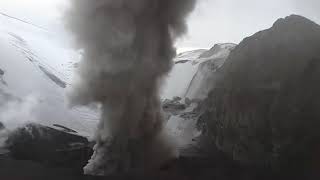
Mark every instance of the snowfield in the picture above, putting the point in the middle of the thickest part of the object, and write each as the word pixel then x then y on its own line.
pixel 38 68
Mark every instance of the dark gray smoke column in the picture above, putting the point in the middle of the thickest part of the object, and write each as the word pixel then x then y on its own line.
pixel 128 50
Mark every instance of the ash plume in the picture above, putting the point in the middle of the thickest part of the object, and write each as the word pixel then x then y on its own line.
pixel 128 50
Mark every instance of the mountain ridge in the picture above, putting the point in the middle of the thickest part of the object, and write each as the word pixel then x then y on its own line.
pixel 266 98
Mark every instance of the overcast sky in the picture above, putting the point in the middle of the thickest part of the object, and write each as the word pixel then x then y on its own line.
pixel 213 21
pixel 216 21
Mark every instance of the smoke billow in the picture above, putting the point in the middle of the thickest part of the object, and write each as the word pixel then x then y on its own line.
pixel 128 50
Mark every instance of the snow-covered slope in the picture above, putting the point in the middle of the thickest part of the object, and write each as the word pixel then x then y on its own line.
pixel 181 74
pixel 36 67
pixel 208 71
pixel 194 66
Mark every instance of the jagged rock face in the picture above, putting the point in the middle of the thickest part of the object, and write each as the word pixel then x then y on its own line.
pixel 264 108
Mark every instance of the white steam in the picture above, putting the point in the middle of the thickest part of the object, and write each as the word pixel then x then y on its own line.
pixel 16 113
pixel 128 50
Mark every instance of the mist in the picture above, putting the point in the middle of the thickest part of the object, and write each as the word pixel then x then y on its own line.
pixel 128 51
pixel 18 112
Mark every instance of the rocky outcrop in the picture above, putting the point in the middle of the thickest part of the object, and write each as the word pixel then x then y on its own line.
pixel 49 146
pixel 264 109
pixel 174 106
pixel 53 77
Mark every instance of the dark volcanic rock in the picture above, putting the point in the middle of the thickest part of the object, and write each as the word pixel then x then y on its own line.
pixel 2 126
pixel 53 77
pixel 264 109
pixel 173 106
pixel 181 61
pixel 64 129
pixel 49 146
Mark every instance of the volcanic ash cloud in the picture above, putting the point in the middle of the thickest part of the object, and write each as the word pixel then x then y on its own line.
pixel 127 51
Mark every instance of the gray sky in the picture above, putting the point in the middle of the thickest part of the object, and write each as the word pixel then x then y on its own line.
pixel 45 13
pixel 213 21
pixel 218 21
